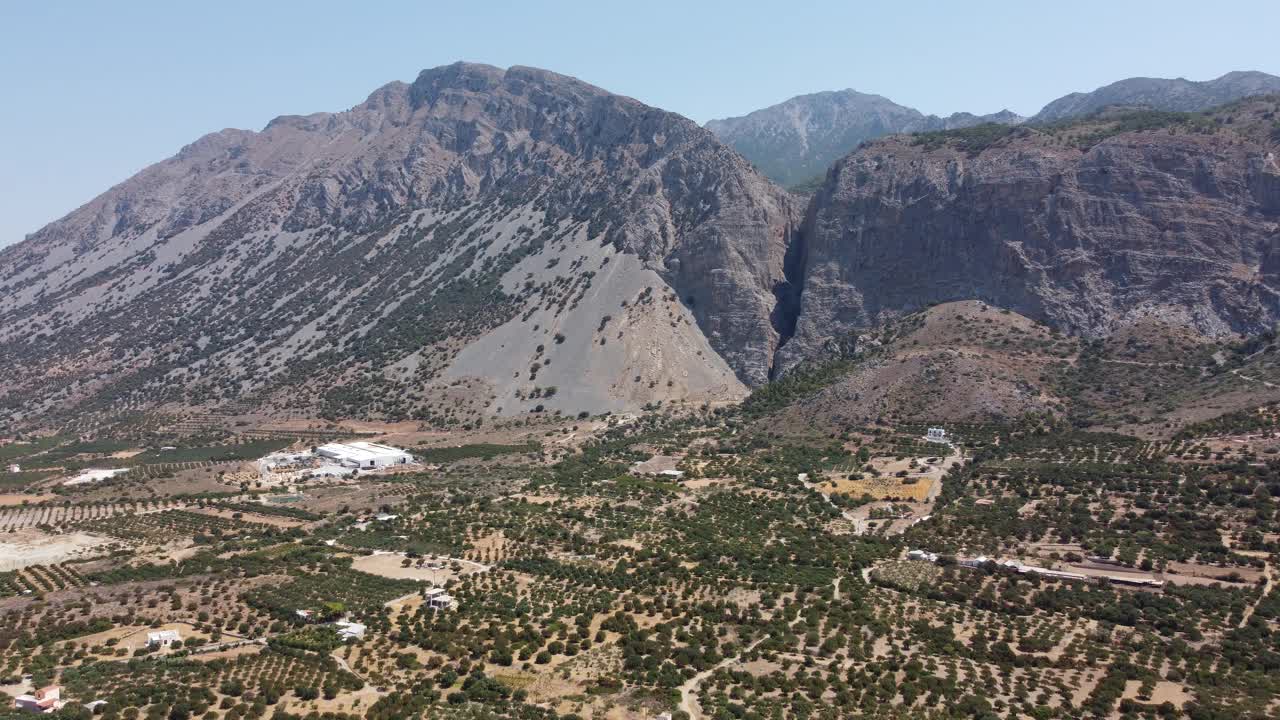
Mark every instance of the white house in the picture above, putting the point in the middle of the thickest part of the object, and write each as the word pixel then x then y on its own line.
pixel 438 598
pixel 364 455
pixel 15 467
pixel 44 700
pixel 348 630
pixel 163 638
pixel 936 435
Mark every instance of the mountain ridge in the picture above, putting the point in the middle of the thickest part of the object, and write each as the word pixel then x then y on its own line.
pixel 485 242
pixel 777 138
pixel 370 248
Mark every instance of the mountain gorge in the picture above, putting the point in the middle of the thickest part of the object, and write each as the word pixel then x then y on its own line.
pixel 485 242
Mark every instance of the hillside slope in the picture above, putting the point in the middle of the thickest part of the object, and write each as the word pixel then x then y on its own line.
pixel 545 242
pixel 968 362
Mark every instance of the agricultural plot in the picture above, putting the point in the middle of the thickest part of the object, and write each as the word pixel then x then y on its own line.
pixel 169 525
pixel 17 518
pixel 329 593
pixel 40 578
pixel 198 686
pixel 912 488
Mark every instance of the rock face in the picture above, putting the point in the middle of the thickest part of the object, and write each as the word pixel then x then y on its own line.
pixel 1177 95
pixel 797 140
pixel 344 262
pixel 1086 227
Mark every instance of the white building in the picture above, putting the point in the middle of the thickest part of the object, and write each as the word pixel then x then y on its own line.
pixel 44 700
pixel 15 467
pixel 936 435
pixel 93 476
pixel 923 555
pixel 438 599
pixel 348 630
pixel 364 455
pixel 283 460
pixel 163 638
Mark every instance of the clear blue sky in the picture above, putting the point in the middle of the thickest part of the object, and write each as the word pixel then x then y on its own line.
pixel 94 91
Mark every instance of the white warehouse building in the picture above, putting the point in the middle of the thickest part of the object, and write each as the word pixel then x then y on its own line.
pixel 364 455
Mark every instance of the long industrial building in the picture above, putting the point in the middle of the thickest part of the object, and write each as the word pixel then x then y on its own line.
pixel 364 455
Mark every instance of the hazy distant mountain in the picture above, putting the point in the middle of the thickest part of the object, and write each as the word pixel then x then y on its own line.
pixel 1161 94
pixel 797 140
pixel 479 241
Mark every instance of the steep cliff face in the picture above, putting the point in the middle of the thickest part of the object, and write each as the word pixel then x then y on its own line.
pixel 1087 227
pixel 345 261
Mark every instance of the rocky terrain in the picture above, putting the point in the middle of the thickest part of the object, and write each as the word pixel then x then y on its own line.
pixel 797 140
pixel 540 241
pixel 485 242
pixel 1087 227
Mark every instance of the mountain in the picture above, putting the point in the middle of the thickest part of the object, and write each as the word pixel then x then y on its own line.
pixel 485 242
pixel 478 241
pixel 795 141
pixel 1177 95
pixel 1088 226
pixel 798 139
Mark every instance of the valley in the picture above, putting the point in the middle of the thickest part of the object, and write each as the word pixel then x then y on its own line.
pixel 502 396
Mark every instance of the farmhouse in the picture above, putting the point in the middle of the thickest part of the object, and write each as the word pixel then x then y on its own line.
pixel 15 467
pixel 364 455
pixel 936 435
pixel 923 555
pixel 44 700
pixel 438 599
pixel 163 638
pixel 348 630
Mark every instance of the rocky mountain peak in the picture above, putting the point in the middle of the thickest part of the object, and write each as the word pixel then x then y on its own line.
pixel 515 230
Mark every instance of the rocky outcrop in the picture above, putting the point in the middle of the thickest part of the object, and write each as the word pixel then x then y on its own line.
pixel 1086 227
